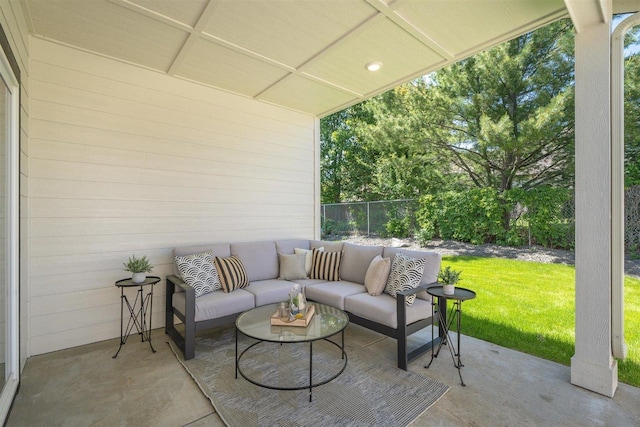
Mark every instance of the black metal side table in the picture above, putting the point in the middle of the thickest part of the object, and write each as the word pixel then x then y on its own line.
pixel 142 305
pixel 460 294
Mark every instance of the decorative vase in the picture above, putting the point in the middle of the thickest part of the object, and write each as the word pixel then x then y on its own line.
pixel 448 289
pixel 297 300
pixel 138 277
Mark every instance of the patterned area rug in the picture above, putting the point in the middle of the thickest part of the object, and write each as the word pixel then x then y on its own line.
pixel 370 392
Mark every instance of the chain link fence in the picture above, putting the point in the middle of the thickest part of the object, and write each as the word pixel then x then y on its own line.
pixel 632 220
pixel 369 218
pixel 392 218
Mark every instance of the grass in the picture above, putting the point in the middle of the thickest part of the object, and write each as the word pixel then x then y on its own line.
pixel 530 307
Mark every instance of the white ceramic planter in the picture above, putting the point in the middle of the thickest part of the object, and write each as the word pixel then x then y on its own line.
pixel 448 289
pixel 138 277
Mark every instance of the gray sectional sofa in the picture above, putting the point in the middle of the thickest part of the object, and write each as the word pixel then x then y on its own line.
pixel 382 313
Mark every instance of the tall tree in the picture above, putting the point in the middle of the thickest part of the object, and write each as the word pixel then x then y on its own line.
pixel 500 119
pixel 345 162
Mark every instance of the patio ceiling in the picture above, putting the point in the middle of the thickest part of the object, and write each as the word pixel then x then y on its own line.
pixel 306 55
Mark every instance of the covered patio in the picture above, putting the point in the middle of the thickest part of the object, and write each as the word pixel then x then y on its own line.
pixel 504 387
pixel 149 124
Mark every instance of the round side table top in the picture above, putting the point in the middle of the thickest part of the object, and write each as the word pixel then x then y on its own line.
pixel 460 294
pixel 126 283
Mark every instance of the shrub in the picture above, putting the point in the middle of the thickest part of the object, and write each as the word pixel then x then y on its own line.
pixel 515 217
pixel 398 227
pixel 425 234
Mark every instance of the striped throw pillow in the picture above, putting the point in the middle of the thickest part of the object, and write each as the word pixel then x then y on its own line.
pixel 325 265
pixel 231 273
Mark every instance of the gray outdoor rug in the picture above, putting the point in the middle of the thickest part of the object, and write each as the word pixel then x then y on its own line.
pixel 370 392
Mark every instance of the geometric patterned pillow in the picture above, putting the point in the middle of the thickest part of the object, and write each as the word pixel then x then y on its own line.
pixel 231 273
pixel 198 271
pixel 325 265
pixel 406 273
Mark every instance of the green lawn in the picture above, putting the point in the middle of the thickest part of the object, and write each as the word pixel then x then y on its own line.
pixel 530 307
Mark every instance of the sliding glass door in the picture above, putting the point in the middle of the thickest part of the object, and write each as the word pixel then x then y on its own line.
pixel 9 228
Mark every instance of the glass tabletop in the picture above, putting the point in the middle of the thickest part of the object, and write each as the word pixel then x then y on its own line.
pixel 326 321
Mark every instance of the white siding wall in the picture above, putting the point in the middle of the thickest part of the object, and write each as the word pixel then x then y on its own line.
pixel 125 160
pixel 15 27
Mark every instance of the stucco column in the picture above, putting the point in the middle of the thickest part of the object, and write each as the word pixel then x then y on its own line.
pixel 592 365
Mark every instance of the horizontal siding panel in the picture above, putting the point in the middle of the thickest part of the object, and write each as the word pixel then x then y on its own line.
pixel 59 265
pixel 128 119
pixel 75 82
pixel 52 324
pixel 215 143
pixel 171 227
pixel 228 163
pixel 87 281
pixel 61 170
pixel 245 210
pixel 41 188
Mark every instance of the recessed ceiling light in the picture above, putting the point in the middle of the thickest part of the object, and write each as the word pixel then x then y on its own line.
pixel 374 66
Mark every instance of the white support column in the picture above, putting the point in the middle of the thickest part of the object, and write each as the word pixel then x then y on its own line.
pixel 317 203
pixel 592 365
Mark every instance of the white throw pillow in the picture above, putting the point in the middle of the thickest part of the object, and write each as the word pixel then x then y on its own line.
pixel 292 266
pixel 377 274
pixel 198 271
pixel 308 260
pixel 406 273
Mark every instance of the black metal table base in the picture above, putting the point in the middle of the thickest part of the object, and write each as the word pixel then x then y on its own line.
pixel 311 384
pixel 142 305
pixel 455 312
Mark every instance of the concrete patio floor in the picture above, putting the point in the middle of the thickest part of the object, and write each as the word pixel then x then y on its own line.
pixel 84 386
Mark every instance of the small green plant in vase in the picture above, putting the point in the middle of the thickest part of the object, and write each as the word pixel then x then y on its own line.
pixel 449 278
pixel 139 267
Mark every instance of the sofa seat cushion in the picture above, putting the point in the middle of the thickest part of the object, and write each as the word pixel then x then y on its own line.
pixel 217 304
pixel 269 291
pixel 382 309
pixel 308 282
pixel 333 293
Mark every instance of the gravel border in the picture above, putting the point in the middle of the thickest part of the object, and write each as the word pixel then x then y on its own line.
pixel 450 247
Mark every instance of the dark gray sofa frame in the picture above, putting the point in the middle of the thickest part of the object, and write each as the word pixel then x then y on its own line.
pixel 186 341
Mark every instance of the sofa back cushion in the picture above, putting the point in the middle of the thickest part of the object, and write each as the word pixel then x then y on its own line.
pixel 432 262
pixel 356 260
pixel 287 246
pixel 260 259
pixel 327 245
pixel 216 249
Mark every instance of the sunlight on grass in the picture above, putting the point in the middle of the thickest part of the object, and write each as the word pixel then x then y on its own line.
pixel 530 307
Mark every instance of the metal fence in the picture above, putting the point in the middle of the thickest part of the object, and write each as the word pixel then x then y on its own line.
pixel 632 220
pixel 366 218
pixel 372 218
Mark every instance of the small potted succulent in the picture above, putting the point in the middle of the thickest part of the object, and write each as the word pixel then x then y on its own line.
pixel 449 278
pixel 139 267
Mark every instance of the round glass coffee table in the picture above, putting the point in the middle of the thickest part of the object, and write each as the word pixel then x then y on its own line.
pixel 256 323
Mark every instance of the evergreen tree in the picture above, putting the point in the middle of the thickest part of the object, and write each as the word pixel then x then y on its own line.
pixel 500 119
